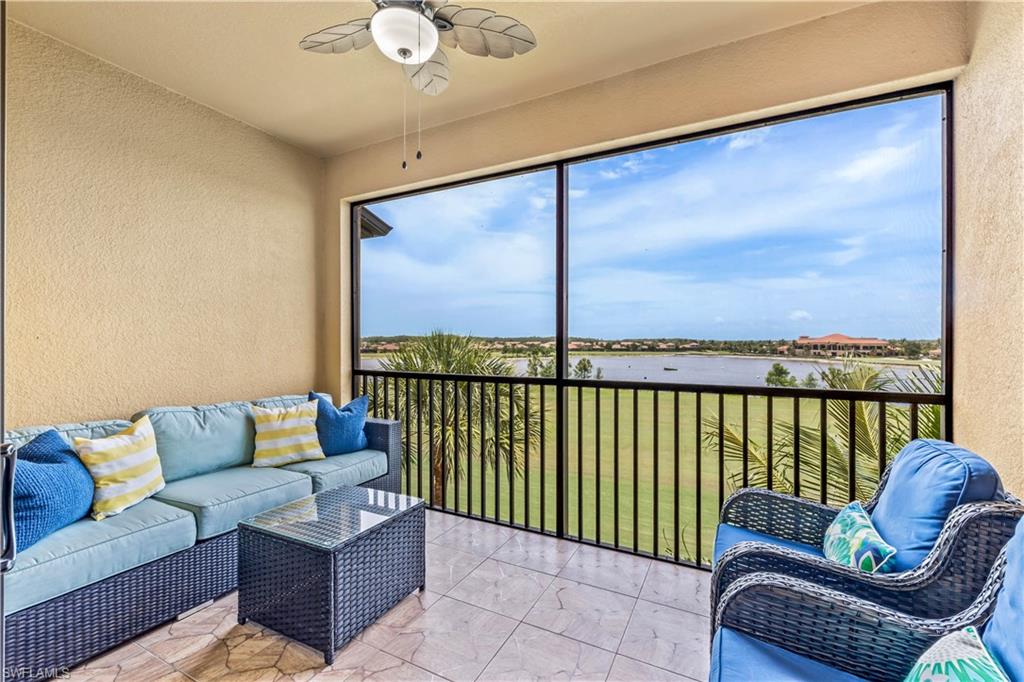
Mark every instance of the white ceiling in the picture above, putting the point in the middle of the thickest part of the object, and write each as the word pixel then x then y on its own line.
pixel 241 58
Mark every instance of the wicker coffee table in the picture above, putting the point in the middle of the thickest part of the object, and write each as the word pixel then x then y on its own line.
pixel 322 568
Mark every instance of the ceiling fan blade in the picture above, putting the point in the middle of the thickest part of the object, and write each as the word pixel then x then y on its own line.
pixel 338 39
pixel 431 77
pixel 436 4
pixel 484 33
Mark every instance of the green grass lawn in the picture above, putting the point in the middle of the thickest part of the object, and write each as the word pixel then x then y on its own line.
pixel 591 496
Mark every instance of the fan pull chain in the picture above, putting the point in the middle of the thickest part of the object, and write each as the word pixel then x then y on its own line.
pixel 405 163
pixel 419 94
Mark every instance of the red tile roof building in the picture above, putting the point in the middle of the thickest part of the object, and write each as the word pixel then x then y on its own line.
pixel 839 344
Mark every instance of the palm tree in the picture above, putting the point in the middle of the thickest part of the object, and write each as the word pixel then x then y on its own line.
pixel 867 445
pixel 432 403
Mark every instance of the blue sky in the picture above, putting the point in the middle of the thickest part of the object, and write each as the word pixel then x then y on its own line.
pixel 828 224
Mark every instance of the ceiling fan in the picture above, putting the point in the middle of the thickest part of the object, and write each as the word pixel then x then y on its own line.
pixel 410 31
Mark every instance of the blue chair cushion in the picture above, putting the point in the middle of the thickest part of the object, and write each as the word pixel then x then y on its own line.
pixel 88 551
pixel 354 468
pixel 340 430
pixel 52 488
pixel 290 400
pixel 737 657
pixel 1004 634
pixel 729 535
pixel 94 429
pixel 220 499
pixel 928 479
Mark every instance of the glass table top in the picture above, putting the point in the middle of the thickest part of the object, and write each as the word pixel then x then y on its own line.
pixel 331 518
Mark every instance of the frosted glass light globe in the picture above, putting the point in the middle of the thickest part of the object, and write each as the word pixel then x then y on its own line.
pixel 399 31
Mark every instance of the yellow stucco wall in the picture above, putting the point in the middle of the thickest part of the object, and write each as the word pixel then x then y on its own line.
pixel 988 388
pixel 157 252
pixel 867 50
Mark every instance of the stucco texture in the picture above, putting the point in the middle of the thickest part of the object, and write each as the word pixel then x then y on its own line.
pixel 988 381
pixel 157 252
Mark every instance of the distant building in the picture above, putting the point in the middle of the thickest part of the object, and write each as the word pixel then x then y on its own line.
pixel 839 344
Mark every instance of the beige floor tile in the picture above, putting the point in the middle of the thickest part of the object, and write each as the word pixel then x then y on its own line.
pixel 583 612
pixel 439 522
pixel 264 655
pixel 474 536
pixel 178 640
pixel 616 571
pixel 503 588
pixel 357 662
pixel 680 587
pixel 535 654
pixel 385 628
pixel 536 551
pixel 446 566
pixel 627 670
pixel 126 663
pixel 668 638
pixel 452 639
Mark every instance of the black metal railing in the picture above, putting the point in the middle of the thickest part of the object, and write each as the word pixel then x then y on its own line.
pixel 644 466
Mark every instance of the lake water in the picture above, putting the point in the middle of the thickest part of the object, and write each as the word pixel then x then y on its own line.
pixel 722 370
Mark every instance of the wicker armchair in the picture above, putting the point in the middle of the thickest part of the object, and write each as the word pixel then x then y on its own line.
pixel 843 632
pixel 945 583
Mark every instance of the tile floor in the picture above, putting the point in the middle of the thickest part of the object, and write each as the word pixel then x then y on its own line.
pixel 500 604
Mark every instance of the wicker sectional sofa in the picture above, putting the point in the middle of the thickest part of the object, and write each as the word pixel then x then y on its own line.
pixel 93 585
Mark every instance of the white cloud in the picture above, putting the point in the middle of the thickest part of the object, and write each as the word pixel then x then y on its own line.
pixel 877 163
pixel 747 138
pixel 539 203
pixel 854 250
pixel 800 316
pixel 578 193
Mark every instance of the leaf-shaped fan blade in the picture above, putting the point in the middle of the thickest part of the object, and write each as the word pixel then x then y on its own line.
pixel 430 77
pixel 340 38
pixel 484 33
pixel 436 4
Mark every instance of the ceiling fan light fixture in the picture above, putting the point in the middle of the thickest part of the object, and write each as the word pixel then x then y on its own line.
pixel 403 34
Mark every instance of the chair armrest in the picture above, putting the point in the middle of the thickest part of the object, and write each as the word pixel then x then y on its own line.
pixel 386 435
pixel 843 632
pixel 782 516
pixel 946 582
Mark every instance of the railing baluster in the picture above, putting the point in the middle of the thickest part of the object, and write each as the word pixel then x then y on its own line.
pixel 675 475
pixel 408 442
pixel 852 454
pixel 483 450
pixel 511 455
pixel 430 441
pixel 615 461
pixel 823 471
pixel 770 436
pixel 469 448
pixel 419 438
pixel 698 455
pixel 543 458
pixel 385 406
pixel 657 457
pixel 526 455
pixel 579 462
pixel 883 446
pixel 456 428
pixel 636 470
pixel 375 400
pixel 721 451
pixel 913 421
pixel 443 426
pixel 746 443
pixel 597 464
pixel 796 446
pixel 497 453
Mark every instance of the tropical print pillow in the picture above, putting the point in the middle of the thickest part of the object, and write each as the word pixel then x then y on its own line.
pixel 852 540
pixel 959 656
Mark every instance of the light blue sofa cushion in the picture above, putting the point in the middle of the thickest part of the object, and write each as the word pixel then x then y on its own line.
pixel 220 499
pixel 928 479
pixel 354 468
pixel 729 535
pixel 1004 634
pixel 736 657
pixel 288 400
pixel 203 438
pixel 88 551
pixel 94 429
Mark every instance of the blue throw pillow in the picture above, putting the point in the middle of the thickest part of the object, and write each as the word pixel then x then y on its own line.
pixel 340 430
pixel 52 488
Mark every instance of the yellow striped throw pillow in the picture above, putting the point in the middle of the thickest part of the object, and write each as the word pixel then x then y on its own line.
pixel 285 435
pixel 124 467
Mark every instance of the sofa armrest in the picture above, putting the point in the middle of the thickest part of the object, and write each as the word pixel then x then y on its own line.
pixel 782 516
pixel 843 632
pixel 386 435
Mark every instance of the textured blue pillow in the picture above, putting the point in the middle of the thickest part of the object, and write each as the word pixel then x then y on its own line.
pixel 52 488
pixel 340 430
